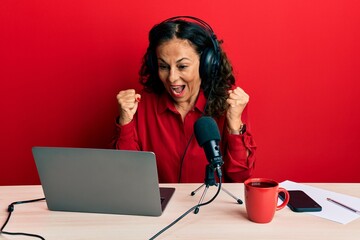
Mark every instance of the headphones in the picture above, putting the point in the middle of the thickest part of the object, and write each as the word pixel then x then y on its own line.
pixel 210 58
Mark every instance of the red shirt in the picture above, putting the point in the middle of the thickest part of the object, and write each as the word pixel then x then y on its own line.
pixel 157 127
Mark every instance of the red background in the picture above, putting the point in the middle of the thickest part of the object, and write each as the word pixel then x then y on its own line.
pixel 63 62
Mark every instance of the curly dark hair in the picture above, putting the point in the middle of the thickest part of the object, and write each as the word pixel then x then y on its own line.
pixel 215 87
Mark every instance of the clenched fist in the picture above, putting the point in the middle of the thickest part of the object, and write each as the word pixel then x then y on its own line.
pixel 237 100
pixel 128 101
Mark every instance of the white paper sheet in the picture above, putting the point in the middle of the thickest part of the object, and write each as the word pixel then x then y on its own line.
pixel 330 210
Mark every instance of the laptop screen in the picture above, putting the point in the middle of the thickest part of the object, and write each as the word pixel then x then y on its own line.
pixel 100 180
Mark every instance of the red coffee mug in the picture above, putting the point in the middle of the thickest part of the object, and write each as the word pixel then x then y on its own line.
pixel 261 198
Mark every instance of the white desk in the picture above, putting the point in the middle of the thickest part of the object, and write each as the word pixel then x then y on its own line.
pixel 222 219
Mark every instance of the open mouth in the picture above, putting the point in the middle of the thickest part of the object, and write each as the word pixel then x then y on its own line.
pixel 177 90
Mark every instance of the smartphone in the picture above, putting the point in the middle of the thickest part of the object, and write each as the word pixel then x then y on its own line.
pixel 301 202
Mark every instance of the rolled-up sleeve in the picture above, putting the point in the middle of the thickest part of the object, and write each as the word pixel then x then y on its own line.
pixel 239 157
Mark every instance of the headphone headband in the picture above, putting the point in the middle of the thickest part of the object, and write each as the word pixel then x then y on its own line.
pixel 198 20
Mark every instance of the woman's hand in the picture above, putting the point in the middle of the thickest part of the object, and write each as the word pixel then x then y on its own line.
pixel 237 101
pixel 128 101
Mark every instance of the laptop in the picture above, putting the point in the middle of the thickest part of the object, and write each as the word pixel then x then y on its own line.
pixel 101 181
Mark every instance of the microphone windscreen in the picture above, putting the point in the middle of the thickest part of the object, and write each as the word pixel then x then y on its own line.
pixel 206 129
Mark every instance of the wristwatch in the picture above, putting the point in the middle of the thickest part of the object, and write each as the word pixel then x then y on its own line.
pixel 241 131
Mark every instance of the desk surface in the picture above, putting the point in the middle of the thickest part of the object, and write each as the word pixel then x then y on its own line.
pixel 221 219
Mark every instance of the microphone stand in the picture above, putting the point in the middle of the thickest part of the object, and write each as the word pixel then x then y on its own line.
pixel 210 181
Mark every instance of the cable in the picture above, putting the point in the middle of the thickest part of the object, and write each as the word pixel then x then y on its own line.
pixel 11 208
pixel 183 156
pixel 187 212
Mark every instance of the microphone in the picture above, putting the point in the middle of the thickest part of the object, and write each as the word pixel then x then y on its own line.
pixel 208 136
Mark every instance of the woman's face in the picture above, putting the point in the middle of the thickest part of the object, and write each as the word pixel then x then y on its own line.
pixel 178 67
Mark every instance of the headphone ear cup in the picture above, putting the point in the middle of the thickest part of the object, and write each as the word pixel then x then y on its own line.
pixel 209 64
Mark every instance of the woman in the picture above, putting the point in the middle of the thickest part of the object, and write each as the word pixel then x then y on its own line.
pixel 186 75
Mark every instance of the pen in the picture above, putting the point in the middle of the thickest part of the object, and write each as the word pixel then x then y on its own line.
pixel 343 205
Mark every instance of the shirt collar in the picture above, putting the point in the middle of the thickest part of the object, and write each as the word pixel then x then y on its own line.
pixel 166 102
